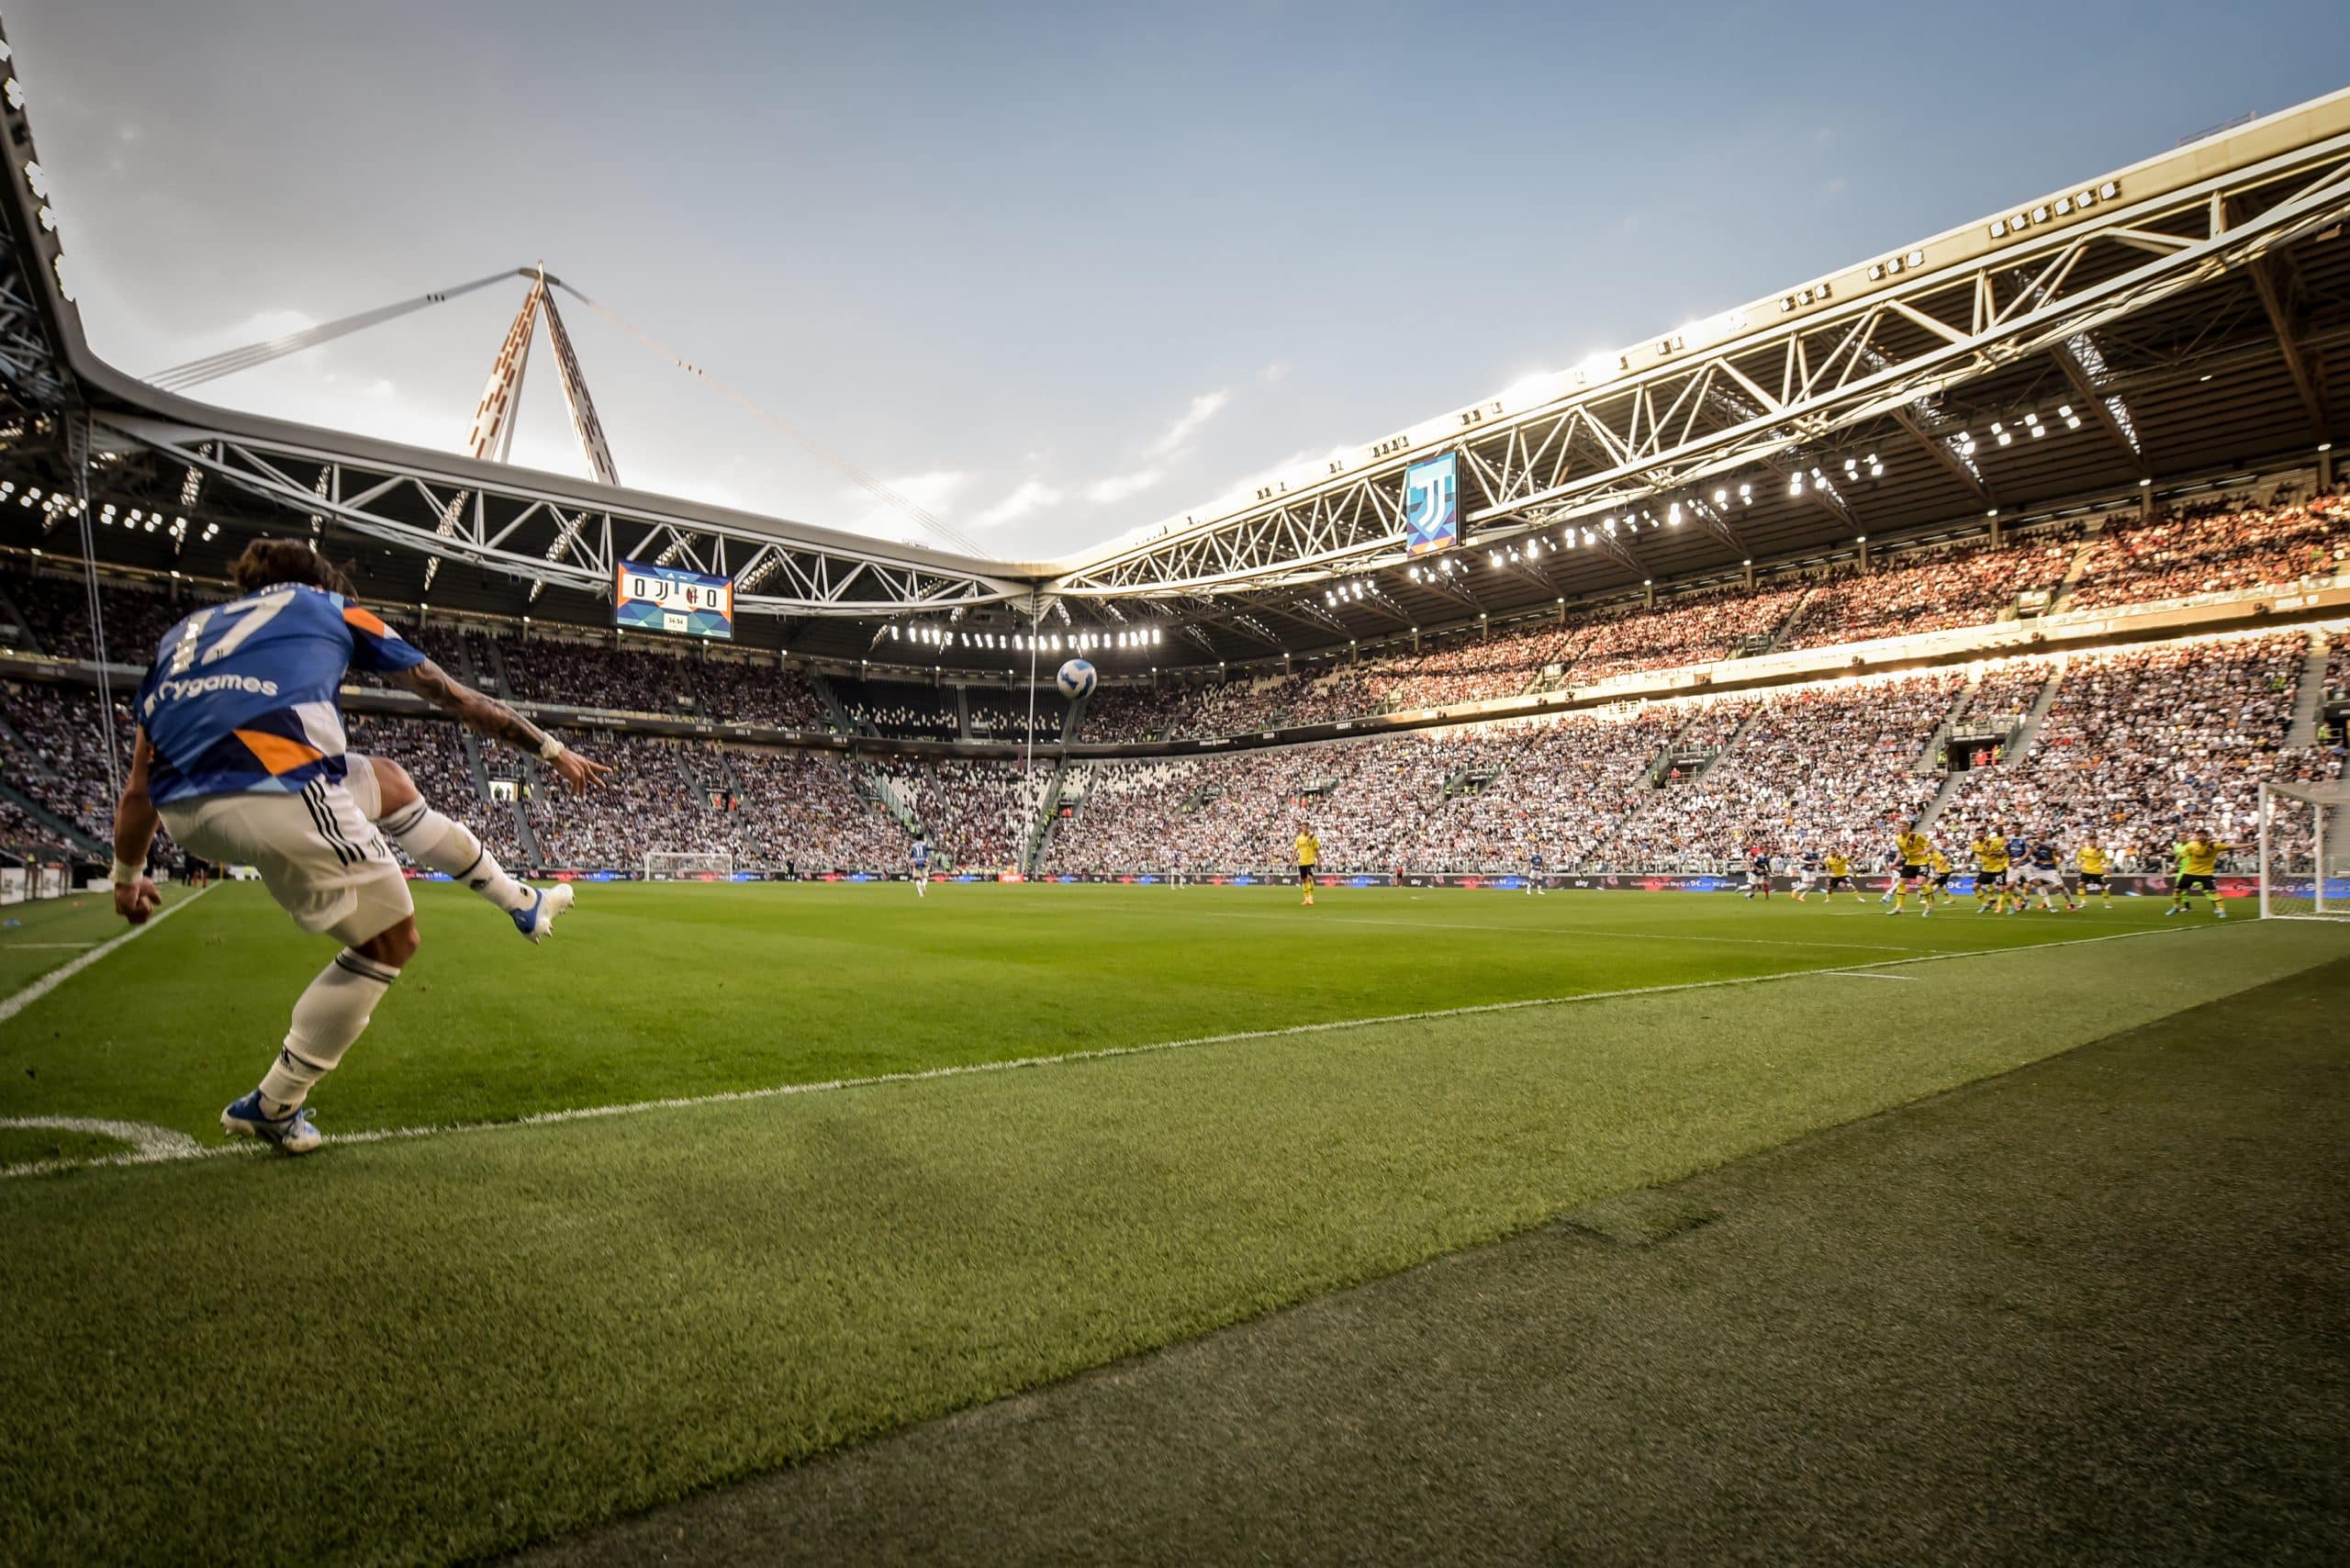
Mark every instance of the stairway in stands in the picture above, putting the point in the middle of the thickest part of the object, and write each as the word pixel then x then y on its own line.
pixel 835 715
pixel 1048 813
pixel 1658 767
pixel 2072 570
pixel 16 630
pixel 1929 755
pixel 2308 696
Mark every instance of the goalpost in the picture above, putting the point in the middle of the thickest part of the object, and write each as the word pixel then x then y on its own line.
pixel 2304 851
pixel 689 865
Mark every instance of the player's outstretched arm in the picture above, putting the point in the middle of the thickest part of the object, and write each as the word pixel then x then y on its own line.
pixel 135 821
pixel 487 716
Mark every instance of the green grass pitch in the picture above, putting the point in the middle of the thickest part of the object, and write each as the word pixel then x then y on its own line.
pixel 500 1332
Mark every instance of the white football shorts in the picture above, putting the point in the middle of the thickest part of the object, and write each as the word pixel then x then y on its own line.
pixel 318 853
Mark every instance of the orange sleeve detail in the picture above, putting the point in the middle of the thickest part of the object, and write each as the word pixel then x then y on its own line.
pixel 365 620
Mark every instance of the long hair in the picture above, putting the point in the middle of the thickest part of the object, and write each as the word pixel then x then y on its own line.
pixel 266 562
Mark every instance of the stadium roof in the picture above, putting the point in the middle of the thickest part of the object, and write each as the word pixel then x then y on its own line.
pixel 2187 314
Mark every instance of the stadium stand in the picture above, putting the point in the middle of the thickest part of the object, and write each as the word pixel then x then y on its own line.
pixel 2220 546
pixel 2134 743
pixel 977 815
pixel 1963 585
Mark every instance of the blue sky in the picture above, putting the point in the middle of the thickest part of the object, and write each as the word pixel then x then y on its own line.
pixel 1053 271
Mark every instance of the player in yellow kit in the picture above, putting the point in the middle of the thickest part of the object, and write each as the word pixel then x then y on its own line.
pixel 1938 864
pixel 2091 858
pixel 1309 854
pixel 1840 869
pixel 2198 869
pixel 1990 853
pixel 1916 851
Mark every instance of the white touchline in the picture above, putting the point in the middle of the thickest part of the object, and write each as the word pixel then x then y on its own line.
pixel 1066 1059
pixel 64 972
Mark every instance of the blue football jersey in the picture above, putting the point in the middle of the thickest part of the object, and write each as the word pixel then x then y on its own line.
pixel 2044 856
pixel 2019 849
pixel 243 697
pixel 920 853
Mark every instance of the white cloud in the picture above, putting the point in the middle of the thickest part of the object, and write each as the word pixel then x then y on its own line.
pixel 1178 436
pixel 935 492
pixel 1031 496
pixel 1120 486
pixel 1273 371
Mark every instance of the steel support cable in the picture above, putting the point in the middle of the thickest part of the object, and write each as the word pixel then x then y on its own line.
pixel 212 367
pixel 77 456
pixel 865 481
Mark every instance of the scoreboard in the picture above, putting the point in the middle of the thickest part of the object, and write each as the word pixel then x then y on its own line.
pixel 663 599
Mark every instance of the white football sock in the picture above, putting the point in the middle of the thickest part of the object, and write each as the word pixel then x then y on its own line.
pixel 442 844
pixel 327 1018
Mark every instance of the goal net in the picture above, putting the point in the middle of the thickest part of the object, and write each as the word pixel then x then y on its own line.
pixel 689 865
pixel 2305 851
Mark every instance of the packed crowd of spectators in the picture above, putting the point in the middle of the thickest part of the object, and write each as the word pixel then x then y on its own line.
pixel 771 809
pixel 1931 590
pixel 2139 746
pixel 978 815
pixel 1697 628
pixel 2217 546
pixel 1816 766
pixel 1470 669
pixel 648 680
pixel 1460 800
pixel 55 752
pixel 435 756
pixel 804 812
pixel 57 613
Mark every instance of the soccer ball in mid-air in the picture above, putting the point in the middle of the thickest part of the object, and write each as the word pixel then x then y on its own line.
pixel 1075 679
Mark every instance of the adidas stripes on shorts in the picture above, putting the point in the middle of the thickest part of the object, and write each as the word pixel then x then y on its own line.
pixel 317 854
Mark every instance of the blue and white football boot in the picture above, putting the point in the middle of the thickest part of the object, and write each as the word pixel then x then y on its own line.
pixel 539 919
pixel 293 1133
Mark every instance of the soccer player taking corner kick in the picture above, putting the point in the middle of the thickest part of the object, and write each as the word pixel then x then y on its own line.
pixel 240 753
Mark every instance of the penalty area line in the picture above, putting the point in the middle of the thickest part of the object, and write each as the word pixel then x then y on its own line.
pixel 64 972
pixel 1071 1058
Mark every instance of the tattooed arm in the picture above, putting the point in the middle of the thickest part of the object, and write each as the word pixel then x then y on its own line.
pixel 488 716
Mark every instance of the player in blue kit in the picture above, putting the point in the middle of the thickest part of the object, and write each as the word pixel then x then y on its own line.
pixel 920 854
pixel 240 753
pixel 1535 882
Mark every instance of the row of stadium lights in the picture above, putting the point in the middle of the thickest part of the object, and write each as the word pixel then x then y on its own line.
pixel 2004 434
pixel 1052 643
pixel 57 505
pixel 2063 207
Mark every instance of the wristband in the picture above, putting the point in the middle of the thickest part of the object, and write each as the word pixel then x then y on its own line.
pixel 551 749
pixel 126 876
